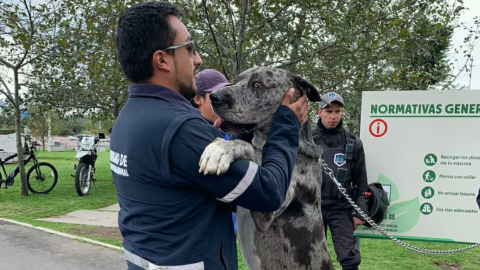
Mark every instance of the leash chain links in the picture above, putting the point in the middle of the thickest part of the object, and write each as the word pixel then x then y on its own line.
pixel 382 230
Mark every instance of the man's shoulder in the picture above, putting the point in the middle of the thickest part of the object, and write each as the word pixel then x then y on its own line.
pixel 147 108
pixel 358 141
pixel 192 125
pixel 352 136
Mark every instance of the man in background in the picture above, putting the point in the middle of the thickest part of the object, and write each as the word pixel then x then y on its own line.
pixel 208 81
pixel 343 153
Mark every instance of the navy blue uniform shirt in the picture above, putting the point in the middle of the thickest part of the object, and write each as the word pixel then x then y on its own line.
pixel 172 215
pixel 478 198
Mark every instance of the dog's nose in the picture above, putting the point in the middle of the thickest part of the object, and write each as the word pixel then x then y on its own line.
pixel 216 98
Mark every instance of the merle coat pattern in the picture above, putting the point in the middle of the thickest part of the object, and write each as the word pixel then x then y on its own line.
pixel 293 236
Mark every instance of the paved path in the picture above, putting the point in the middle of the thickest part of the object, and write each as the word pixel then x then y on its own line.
pixel 27 248
pixel 106 217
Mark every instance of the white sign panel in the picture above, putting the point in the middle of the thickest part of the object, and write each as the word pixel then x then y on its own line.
pixel 424 148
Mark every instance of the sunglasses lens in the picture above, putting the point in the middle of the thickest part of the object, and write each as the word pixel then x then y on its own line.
pixel 194 50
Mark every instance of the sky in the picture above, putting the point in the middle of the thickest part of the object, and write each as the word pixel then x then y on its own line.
pixel 473 9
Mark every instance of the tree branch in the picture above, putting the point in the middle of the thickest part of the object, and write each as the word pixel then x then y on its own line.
pixel 341 40
pixel 6 63
pixel 19 65
pixel 7 92
pixel 267 21
pixel 261 44
pixel 214 36
pixel 38 56
pixel 455 78
pixel 300 59
pixel 203 50
pixel 363 65
pixel 31 34
pixel 230 13
pixel 29 17
pixel 241 37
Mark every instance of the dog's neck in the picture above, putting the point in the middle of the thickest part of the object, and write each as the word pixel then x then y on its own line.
pixel 306 145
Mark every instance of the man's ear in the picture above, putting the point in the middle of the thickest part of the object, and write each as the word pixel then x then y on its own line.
pixel 306 88
pixel 159 61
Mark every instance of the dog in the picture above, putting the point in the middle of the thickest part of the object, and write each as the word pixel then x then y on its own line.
pixel 292 237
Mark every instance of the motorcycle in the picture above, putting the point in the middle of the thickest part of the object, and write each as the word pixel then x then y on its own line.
pixel 87 156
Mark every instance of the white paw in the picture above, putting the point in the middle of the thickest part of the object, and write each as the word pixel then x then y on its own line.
pixel 216 158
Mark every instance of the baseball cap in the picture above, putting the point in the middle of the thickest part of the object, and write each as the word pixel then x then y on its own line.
pixel 331 97
pixel 209 80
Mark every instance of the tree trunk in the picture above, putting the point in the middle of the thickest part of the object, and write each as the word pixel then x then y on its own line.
pixel 43 142
pixel 117 107
pixel 18 133
pixel 296 41
pixel 241 37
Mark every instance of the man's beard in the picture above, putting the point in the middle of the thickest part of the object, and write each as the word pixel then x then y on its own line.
pixel 188 92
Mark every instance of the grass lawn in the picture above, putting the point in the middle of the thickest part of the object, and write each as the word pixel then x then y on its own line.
pixel 63 198
pixel 376 254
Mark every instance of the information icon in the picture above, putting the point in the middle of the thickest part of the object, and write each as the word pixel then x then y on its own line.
pixel 429 176
pixel 428 192
pixel 430 159
pixel 426 208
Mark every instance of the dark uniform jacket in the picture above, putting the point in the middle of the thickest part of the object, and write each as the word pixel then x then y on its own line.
pixel 478 198
pixel 357 177
pixel 172 215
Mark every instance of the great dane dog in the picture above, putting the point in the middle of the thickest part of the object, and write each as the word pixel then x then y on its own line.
pixel 293 236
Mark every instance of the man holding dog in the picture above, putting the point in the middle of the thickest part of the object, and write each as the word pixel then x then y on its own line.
pixel 343 153
pixel 171 216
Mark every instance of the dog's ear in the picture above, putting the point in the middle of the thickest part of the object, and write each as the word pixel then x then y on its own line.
pixel 307 88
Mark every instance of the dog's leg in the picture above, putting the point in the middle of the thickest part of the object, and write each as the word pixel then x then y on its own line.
pixel 263 220
pixel 218 155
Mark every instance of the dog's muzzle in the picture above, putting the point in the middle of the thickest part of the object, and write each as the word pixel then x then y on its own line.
pixel 219 100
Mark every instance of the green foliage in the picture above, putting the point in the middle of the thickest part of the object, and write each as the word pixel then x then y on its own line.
pixel 96 125
pixel 341 46
pixel 86 77
pixel 7 120
pixel 38 122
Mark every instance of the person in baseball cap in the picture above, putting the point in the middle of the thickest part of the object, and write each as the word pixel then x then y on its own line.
pixel 343 152
pixel 208 80
pixel 331 97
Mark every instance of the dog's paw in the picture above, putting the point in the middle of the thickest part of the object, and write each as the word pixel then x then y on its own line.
pixel 216 158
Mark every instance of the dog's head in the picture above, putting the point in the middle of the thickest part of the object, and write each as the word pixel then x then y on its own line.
pixel 251 102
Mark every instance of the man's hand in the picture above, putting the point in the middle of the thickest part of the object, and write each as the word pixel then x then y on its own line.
pixel 356 222
pixel 299 107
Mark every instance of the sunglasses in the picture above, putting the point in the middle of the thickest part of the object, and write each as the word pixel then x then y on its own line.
pixel 191 47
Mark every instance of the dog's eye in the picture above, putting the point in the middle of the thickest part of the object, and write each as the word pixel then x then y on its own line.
pixel 257 85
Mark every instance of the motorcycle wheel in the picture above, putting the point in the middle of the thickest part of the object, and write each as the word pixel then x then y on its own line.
pixel 82 184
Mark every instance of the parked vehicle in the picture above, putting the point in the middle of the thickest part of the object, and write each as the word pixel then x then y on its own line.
pixel 41 177
pixel 87 155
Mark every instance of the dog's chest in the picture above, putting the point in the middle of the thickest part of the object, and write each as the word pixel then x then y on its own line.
pixel 306 176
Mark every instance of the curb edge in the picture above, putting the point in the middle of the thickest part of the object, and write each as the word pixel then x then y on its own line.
pixel 70 236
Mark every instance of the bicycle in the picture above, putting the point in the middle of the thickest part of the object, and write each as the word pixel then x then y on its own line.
pixel 41 177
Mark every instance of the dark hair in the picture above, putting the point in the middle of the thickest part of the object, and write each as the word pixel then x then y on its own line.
pixel 200 94
pixel 141 30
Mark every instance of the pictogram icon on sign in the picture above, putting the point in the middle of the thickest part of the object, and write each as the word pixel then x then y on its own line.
pixel 378 128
